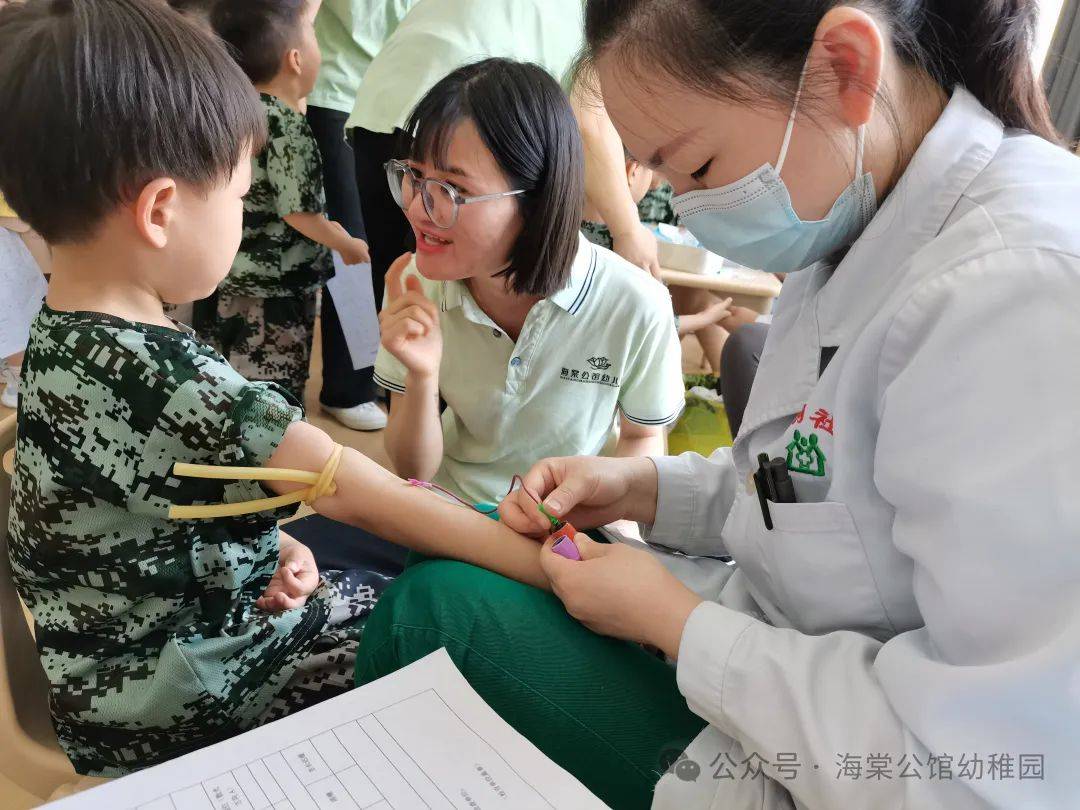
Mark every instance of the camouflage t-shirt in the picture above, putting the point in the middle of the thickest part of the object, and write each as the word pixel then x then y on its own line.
pixel 655 207
pixel 276 260
pixel 147 627
pixel 597 233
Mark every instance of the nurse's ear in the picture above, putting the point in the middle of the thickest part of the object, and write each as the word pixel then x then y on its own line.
pixel 847 58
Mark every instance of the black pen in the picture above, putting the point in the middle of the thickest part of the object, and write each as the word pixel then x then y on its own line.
pixel 763 483
pixel 783 486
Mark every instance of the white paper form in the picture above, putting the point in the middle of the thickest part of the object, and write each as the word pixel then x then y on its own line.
pixel 354 300
pixel 420 738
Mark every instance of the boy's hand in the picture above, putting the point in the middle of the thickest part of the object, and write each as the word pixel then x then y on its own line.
pixel 296 578
pixel 354 251
pixel 740 316
pixel 410 323
pixel 719 310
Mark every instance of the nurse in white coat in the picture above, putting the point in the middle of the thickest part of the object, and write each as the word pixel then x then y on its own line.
pixel 908 632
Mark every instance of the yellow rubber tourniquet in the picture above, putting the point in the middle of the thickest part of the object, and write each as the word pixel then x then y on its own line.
pixel 322 483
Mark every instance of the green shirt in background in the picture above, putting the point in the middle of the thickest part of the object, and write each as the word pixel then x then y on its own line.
pixel 350 33
pixel 439 36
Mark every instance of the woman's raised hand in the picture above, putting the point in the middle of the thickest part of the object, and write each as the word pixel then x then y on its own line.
pixel 410 322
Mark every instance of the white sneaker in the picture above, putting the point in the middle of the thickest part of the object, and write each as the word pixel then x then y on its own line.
pixel 367 416
pixel 10 397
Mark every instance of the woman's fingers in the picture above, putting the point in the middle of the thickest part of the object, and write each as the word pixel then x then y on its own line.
pixel 554 568
pixel 394 289
pixel 413 315
pixel 410 299
pixel 570 490
pixel 396 335
pixel 519 512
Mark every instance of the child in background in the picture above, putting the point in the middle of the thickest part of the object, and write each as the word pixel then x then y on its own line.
pixel 161 635
pixel 697 312
pixel 262 318
pixel 22 286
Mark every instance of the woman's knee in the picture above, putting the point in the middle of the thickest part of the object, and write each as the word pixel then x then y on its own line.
pixel 440 603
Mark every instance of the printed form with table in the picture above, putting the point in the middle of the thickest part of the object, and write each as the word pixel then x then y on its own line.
pixel 420 738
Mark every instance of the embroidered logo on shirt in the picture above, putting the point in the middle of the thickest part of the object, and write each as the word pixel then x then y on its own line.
pixel 599 363
pixel 591 377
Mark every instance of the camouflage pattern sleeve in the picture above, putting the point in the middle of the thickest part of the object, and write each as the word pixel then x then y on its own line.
pixel 147 627
pixel 293 165
pixel 598 233
pixel 655 207
pixel 275 260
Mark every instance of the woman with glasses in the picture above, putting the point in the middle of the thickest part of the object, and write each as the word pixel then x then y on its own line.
pixel 538 341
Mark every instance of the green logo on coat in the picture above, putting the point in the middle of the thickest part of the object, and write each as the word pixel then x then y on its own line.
pixel 805 456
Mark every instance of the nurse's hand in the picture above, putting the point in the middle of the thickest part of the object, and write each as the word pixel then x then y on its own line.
pixel 585 490
pixel 622 592
pixel 410 323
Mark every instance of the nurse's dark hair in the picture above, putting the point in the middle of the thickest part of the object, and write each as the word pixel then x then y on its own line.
pixel 526 122
pixel 714 45
pixel 99 97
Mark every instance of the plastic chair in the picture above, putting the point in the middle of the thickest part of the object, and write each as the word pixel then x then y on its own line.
pixel 30 756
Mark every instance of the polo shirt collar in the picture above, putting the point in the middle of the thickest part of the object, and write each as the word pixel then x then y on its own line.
pixel 570 298
pixel 582 278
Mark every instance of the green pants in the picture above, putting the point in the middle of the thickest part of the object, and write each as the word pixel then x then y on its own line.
pixel 605 710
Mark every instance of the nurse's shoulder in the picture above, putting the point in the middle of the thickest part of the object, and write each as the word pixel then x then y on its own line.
pixel 1030 193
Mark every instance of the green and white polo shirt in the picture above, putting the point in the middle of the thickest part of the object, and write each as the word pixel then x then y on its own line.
pixel 603 344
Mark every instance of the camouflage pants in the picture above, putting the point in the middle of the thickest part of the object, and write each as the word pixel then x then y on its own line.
pixel 328 669
pixel 265 339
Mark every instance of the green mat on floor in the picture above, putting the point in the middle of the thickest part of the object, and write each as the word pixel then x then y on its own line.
pixel 703 427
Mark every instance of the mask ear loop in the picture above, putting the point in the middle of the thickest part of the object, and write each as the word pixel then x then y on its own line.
pixel 860 146
pixel 791 122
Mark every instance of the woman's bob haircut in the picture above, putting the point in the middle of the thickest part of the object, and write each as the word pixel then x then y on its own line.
pixel 526 122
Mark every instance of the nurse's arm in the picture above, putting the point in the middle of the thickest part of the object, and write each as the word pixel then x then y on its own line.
pixel 374 499
pixel 413 437
pixel 694 497
pixel 639 440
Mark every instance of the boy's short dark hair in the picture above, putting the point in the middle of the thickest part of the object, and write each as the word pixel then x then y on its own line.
pixel 98 97
pixel 200 9
pixel 258 32
pixel 526 121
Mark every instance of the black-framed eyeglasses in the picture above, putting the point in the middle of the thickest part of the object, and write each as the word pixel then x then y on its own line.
pixel 441 200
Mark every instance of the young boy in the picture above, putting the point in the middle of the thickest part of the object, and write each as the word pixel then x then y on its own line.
pixel 159 636
pixel 263 316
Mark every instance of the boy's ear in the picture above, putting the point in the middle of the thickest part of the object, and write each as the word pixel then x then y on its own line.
pixel 155 209
pixel 293 62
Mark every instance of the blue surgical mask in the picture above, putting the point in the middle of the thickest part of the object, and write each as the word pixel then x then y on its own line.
pixel 752 221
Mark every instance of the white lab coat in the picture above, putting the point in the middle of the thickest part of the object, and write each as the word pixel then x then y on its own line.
pixel 924 594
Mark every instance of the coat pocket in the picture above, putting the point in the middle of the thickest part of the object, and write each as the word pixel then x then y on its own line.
pixel 817 558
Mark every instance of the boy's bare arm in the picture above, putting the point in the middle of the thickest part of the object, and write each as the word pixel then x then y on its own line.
pixel 378 501
pixel 319 229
